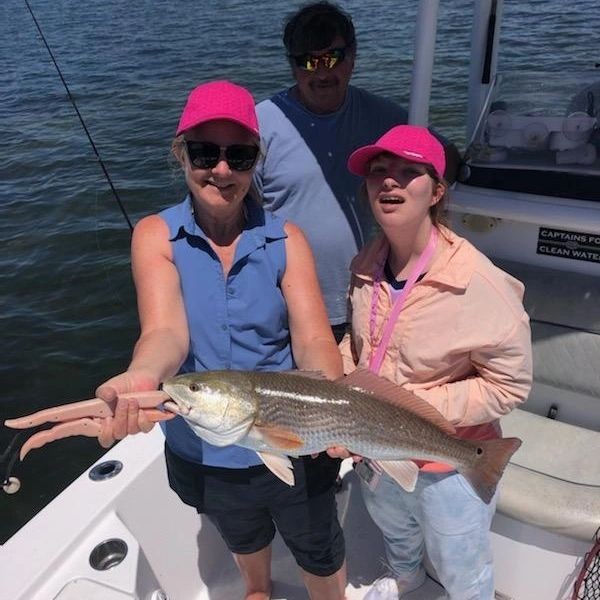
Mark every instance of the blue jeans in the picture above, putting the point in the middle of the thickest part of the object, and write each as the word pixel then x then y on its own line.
pixel 445 516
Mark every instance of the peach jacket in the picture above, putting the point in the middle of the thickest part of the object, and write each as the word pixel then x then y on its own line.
pixel 462 340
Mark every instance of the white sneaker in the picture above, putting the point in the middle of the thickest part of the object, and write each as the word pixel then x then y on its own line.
pixel 385 588
pixel 389 588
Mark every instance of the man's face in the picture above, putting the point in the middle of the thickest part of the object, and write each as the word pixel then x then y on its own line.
pixel 323 90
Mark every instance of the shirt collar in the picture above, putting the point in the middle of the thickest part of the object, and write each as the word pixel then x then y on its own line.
pixel 260 226
pixel 456 251
pixel 290 95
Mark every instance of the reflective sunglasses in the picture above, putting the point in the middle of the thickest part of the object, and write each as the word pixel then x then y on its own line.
pixel 310 62
pixel 206 155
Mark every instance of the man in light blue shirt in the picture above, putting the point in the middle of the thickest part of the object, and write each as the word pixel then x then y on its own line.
pixel 308 132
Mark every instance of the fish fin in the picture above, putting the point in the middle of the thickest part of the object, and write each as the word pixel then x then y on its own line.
pixel 281 466
pixel 403 472
pixel 392 393
pixel 485 474
pixel 282 439
pixel 220 439
pixel 309 374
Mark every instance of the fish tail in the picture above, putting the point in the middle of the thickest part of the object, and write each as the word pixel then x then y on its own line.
pixel 485 474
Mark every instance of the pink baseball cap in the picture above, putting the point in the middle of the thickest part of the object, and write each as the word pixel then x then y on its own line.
pixel 219 100
pixel 411 142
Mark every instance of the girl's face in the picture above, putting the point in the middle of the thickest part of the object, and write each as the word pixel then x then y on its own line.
pixel 400 192
pixel 218 185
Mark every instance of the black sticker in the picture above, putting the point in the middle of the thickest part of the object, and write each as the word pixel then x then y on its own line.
pixel 569 244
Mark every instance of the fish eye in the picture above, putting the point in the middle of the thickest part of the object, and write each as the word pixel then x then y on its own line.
pixel 194 387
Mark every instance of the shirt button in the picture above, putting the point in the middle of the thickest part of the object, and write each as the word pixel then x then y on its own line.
pixel 330 154
pixel 224 327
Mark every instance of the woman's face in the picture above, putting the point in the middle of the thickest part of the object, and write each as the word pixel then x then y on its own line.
pixel 400 192
pixel 219 185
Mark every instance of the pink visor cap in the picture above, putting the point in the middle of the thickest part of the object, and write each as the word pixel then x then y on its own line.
pixel 219 100
pixel 413 143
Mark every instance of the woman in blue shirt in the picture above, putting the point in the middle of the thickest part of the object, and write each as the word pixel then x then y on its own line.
pixel 223 284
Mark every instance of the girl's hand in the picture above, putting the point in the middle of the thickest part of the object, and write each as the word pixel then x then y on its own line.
pixel 341 452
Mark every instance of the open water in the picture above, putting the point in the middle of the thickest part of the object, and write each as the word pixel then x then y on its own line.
pixel 67 307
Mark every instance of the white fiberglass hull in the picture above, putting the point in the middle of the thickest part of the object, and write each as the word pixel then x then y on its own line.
pixel 173 551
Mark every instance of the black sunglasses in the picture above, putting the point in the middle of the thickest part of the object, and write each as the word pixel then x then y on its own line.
pixel 310 62
pixel 206 155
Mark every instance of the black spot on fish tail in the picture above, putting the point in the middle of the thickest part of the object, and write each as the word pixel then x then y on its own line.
pixel 493 456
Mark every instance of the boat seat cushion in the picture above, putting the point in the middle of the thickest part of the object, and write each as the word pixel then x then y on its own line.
pixel 553 480
pixel 566 359
pixel 564 309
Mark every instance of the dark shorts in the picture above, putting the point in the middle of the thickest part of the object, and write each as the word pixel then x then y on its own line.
pixel 246 505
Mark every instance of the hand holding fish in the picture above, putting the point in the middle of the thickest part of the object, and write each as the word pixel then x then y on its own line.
pixel 129 417
pixel 341 452
pixel 115 413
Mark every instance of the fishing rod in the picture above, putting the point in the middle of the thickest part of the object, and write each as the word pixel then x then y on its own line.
pixel 112 187
pixel 8 483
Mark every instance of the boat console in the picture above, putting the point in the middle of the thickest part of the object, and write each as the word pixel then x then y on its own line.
pixel 538 133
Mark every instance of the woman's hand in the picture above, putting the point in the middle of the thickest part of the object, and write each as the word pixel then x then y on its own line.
pixel 128 419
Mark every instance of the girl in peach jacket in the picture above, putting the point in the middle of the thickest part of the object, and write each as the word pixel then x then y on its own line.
pixel 434 315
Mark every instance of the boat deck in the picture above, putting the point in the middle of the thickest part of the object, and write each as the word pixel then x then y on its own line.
pixel 171 549
pixel 364 551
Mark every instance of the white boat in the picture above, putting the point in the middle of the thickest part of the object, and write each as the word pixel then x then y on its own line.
pixel 528 196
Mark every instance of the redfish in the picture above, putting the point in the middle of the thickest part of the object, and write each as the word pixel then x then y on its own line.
pixel 281 414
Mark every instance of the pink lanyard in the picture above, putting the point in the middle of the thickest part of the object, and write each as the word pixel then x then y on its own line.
pixel 378 349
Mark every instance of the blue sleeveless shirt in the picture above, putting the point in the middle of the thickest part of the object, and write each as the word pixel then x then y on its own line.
pixel 237 322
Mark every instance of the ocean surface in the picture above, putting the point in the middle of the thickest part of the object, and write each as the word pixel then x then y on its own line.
pixel 68 316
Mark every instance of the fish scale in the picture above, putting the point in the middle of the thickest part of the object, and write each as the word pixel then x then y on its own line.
pixel 325 414
pixel 279 414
